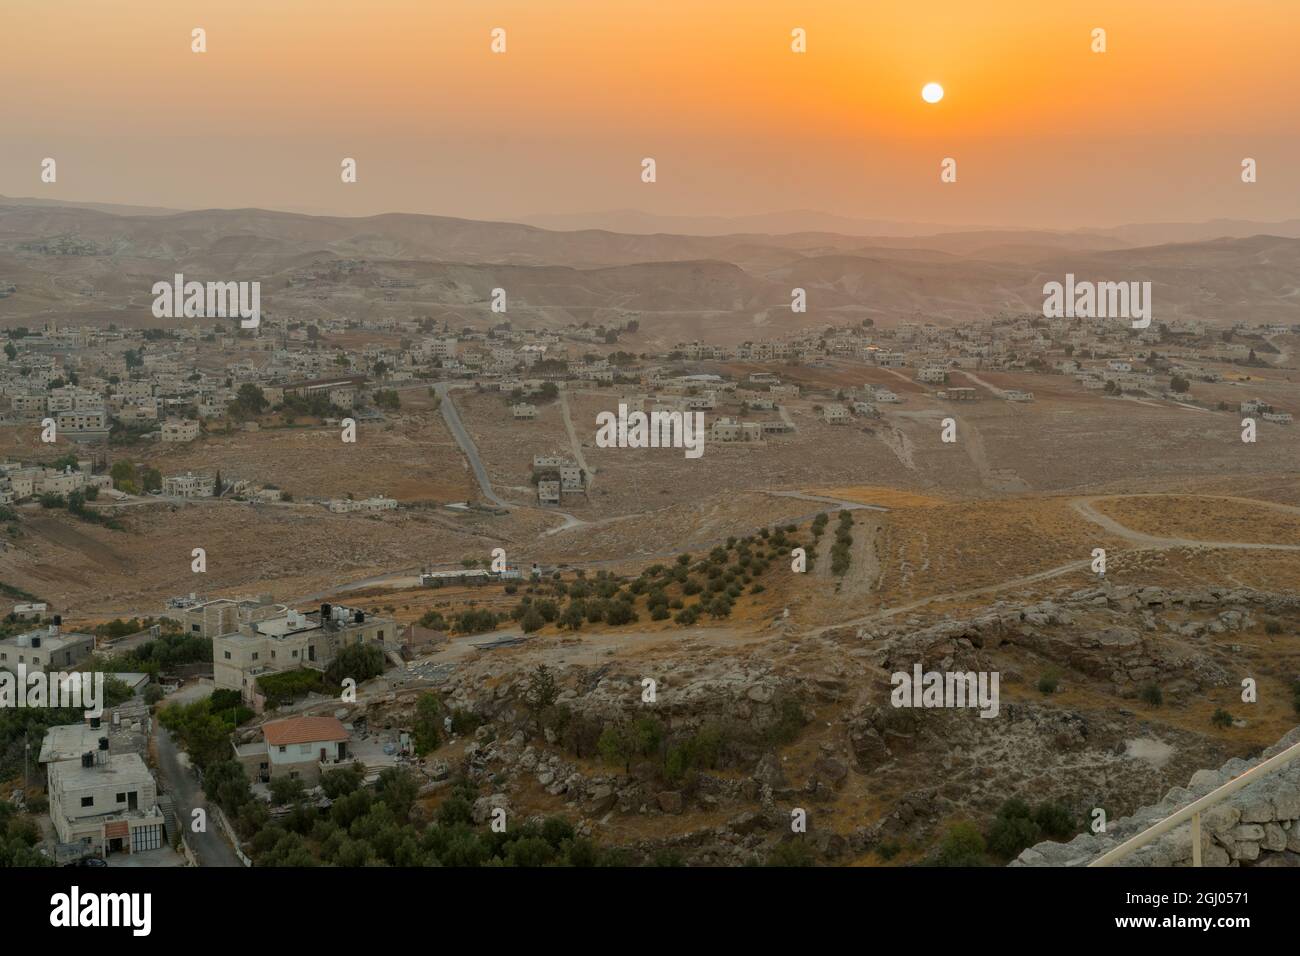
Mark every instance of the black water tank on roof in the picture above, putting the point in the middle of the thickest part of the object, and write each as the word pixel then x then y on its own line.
pixel 325 612
pixel 360 617
pixel 103 743
pixel 88 759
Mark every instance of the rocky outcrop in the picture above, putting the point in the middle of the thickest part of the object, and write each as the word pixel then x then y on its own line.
pixel 1259 825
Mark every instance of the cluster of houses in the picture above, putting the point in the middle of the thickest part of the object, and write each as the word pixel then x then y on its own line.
pixel 19 482
pixel 90 380
pixel 1265 411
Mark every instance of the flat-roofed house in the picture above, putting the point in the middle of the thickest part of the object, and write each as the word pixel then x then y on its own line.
pixel 179 430
pixel 292 640
pixel 836 414
pixel 106 802
pixel 45 649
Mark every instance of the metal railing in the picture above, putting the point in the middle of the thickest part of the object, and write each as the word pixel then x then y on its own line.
pixel 1194 810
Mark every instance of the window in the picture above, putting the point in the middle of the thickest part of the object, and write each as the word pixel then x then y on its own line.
pixel 304 748
pixel 87 801
pixel 255 655
pixel 121 798
pixel 196 628
pixel 281 750
pixel 227 653
pixel 146 838
pixel 295 653
pixel 381 635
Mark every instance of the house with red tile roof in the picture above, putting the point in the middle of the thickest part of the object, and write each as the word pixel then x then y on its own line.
pixel 298 747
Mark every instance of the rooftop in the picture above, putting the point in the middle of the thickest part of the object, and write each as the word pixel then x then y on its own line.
pixel 121 769
pixel 303 730
pixel 49 641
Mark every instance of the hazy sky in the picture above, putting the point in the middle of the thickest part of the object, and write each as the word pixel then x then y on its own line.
pixel 1044 131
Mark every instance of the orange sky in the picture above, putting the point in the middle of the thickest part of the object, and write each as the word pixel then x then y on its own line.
pixel 1045 132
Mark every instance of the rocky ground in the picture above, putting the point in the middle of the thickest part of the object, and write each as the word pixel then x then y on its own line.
pixel 804 722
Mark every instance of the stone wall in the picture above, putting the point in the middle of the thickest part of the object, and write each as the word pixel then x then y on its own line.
pixel 1259 825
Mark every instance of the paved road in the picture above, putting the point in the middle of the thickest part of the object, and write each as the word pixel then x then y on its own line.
pixel 452 418
pixel 210 848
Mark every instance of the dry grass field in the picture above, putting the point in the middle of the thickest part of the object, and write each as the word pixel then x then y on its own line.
pixel 1205 518
pixel 412 458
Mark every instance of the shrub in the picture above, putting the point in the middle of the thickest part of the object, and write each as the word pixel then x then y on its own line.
pixel 285 686
pixel 962 845
pixel 285 790
pixel 1009 835
pixel 1055 820
pixel 1152 694
pixel 793 852
pixel 889 849
pixel 1221 718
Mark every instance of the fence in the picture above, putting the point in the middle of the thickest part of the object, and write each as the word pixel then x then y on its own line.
pixel 1194 810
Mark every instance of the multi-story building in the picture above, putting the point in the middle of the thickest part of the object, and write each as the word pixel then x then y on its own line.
pixel 106 802
pixel 190 485
pixel 731 430
pixel 82 421
pixel 548 492
pixel 179 430
pixel 836 414
pixel 290 641
pixel 225 615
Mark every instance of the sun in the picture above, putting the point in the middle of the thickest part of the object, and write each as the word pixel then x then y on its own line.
pixel 932 92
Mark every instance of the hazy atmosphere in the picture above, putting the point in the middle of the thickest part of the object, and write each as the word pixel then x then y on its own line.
pixel 629 434
pixel 1046 133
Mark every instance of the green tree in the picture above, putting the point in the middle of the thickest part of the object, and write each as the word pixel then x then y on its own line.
pixel 357 661
pixel 249 402
pixel 617 745
pixel 427 726
pixel 542 692
pixel 124 477
pixel 286 790
pixel 962 845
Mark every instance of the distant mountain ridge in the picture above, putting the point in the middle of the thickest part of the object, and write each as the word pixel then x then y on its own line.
pixel 734 285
